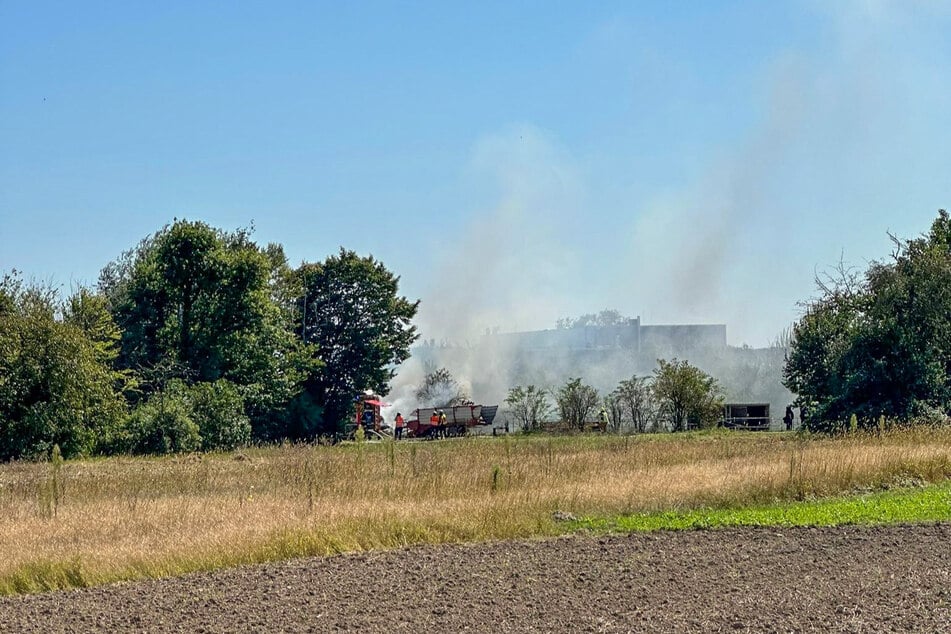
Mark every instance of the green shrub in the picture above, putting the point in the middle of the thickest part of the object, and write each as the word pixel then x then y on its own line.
pixel 163 424
pixel 218 410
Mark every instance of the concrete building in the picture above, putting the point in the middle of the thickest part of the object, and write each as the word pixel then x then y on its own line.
pixel 632 335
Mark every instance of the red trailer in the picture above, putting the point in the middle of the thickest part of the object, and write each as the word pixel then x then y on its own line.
pixel 459 419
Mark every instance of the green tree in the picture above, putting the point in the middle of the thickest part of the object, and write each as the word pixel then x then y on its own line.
pixel 352 312
pixel 879 344
pixel 575 401
pixel 209 305
pixel 529 406
pixel 820 340
pixel 687 396
pixel 636 395
pixel 186 259
pixel 56 384
pixel 103 407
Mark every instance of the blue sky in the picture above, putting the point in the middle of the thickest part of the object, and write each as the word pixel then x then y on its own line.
pixel 514 162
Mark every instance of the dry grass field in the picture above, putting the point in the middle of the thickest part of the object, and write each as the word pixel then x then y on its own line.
pixel 87 522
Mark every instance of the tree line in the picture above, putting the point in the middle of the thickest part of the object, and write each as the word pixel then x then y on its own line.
pixel 199 338
pixel 196 338
pixel 676 397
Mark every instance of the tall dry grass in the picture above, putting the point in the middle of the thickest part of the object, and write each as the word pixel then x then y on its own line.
pixel 87 522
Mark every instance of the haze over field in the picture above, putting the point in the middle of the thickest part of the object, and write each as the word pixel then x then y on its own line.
pixel 514 164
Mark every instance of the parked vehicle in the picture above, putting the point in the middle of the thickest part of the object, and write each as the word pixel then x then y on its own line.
pixel 459 419
pixel 746 416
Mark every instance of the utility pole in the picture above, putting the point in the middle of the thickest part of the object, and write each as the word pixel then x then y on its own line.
pixel 303 327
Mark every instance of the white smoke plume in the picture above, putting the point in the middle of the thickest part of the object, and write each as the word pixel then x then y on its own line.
pixel 824 157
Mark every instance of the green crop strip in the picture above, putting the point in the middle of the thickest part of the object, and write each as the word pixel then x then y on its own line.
pixel 930 504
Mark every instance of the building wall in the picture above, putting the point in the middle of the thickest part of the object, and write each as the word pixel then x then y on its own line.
pixel 684 337
pixel 630 336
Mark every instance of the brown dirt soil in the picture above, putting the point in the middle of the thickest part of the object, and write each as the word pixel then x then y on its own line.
pixel 847 579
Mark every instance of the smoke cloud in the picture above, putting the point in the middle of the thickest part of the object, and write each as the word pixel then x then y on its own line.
pixel 738 244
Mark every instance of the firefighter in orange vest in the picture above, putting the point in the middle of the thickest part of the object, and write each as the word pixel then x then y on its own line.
pixel 400 423
pixel 434 424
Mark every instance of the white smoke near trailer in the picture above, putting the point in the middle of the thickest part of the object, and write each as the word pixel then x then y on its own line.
pixel 415 389
pixel 508 271
pixel 402 396
pixel 527 274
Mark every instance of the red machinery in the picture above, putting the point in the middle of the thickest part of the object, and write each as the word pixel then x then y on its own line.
pixel 368 415
pixel 459 419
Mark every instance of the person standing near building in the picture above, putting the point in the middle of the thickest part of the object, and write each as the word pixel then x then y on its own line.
pixel 434 424
pixel 398 424
pixel 442 423
pixel 788 418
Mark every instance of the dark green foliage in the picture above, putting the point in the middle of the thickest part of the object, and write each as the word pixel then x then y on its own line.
pixel 687 396
pixel 164 424
pixel 201 305
pixel 182 418
pixel 56 383
pixel 360 326
pixel 879 344
pixel 199 333
pixel 218 410
pixel 303 418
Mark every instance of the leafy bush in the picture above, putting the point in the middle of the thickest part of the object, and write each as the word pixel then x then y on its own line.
pixel 529 406
pixel 575 401
pixel 163 424
pixel 56 381
pixel 688 396
pixel 218 410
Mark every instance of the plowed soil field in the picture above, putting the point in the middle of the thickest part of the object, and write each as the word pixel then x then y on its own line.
pixel 847 579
